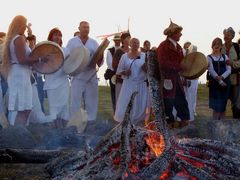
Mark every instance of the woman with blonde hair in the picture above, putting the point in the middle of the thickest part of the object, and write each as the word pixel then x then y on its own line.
pixel 16 69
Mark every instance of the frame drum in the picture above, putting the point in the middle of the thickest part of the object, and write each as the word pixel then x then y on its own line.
pixel 51 65
pixel 77 60
pixel 194 65
pixel 97 57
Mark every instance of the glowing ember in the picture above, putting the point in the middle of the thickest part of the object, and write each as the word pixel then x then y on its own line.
pixel 156 143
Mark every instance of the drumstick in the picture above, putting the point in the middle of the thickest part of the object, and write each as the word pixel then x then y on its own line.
pixel 108 35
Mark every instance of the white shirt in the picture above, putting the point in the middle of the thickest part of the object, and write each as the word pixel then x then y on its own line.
pixel 92 46
pixel 173 42
pixel 211 69
pixel 109 58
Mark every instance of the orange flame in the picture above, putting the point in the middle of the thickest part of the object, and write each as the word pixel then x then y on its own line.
pixel 156 142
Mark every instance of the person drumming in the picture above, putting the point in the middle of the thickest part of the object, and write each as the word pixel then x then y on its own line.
pixel 84 88
pixel 170 55
pixel 16 63
pixel 58 87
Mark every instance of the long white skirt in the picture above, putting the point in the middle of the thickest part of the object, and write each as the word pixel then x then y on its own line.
pixel 20 88
pixel 139 104
pixel 58 101
pixel 191 96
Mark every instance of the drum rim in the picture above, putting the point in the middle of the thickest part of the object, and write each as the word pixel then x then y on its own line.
pixel 104 44
pixel 75 72
pixel 201 71
pixel 44 43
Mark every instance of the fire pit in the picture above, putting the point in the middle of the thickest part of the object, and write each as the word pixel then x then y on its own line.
pixel 132 152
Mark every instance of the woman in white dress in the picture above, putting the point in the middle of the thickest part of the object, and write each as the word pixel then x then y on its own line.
pixel 131 69
pixel 58 88
pixel 16 69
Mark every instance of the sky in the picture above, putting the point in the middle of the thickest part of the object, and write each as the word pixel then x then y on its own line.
pixel 202 21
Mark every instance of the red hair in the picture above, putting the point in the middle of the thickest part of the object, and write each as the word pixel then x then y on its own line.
pixel 52 32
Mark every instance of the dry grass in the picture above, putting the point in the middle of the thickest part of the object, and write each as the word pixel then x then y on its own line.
pixel 203 110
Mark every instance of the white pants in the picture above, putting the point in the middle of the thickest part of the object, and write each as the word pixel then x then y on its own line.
pixel 86 94
pixel 191 96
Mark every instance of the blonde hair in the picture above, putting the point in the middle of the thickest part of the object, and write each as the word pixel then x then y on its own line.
pixel 14 29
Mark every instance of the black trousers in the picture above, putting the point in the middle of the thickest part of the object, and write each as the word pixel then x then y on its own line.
pixel 180 103
pixel 113 95
pixel 234 96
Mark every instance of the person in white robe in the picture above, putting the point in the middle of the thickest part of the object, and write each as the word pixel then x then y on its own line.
pixel 17 71
pixel 131 69
pixel 192 85
pixel 84 86
pixel 57 86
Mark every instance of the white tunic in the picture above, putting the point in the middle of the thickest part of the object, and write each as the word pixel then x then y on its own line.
pixel 109 58
pixel 58 91
pixel 135 82
pixel 191 97
pixel 91 45
pixel 84 86
pixel 19 84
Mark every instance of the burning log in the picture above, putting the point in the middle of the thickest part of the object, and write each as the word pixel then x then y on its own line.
pixel 27 155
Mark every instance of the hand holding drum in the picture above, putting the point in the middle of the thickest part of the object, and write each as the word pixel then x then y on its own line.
pixel 98 55
pixel 194 65
pixel 49 57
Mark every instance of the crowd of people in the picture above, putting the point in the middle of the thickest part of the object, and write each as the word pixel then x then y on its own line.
pixel 23 90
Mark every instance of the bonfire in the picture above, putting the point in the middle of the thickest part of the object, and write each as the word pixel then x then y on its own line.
pixel 150 152
pixel 131 152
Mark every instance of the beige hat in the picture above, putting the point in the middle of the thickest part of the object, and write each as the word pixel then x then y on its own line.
pixel 172 28
pixel 117 36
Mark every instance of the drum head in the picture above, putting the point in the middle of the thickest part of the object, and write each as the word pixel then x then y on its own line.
pixel 96 59
pixel 48 48
pixel 194 65
pixel 77 60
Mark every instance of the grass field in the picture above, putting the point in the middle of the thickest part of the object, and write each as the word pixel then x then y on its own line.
pixel 203 111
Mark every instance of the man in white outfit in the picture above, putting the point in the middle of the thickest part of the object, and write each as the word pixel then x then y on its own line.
pixel 192 85
pixel 84 86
